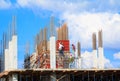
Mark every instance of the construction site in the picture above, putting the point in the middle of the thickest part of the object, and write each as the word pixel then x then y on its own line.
pixel 54 57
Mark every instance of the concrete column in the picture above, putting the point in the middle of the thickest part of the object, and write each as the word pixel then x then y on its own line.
pixel 76 58
pixel 79 63
pixel 95 59
pixel 100 58
pixel 76 53
pixel 2 79
pixel 53 77
pixel 82 61
pixel 10 77
pixel 100 51
pixel 52 52
pixel 6 60
pixel 10 55
pixel 14 77
pixel 14 40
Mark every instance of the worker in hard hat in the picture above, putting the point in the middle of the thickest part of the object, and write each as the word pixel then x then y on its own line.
pixel 61 49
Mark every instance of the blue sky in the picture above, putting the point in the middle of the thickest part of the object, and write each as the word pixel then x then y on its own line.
pixel 82 16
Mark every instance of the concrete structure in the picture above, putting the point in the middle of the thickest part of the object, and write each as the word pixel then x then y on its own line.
pixel 52 52
pixel 12 48
pixel 100 58
pixel 100 51
pixel 13 77
pixel 95 59
pixel 79 55
pixel 62 75
pixel 6 60
pixel 10 55
pixel 95 56
pixel 9 49
pixel 46 64
pixel 14 55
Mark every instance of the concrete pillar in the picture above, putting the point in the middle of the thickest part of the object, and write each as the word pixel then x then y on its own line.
pixel 76 53
pixel 14 55
pixel 14 77
pixel 2 79
pixel 53 77
pixel 82 61
pixel 94 41
pixel 95 59
pixel 76 58
pixel 79 63
pixel 79 54
pixel 100 51
pixel 100 58
pixel 6 60
pixel 94 51
pixel 10 77
pixel 100 40
pixel 52 52
pixel 10 61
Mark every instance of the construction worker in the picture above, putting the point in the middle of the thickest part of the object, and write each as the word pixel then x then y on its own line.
pixel 61 49
pixel 73 47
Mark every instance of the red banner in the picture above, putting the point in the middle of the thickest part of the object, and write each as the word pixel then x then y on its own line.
pixel 65 44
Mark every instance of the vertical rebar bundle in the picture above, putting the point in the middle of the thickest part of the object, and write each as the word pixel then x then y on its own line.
pixel 45 39
pixel 9 32
pixel 79 49
pixel 14 26
pixel 100 42
pixel 52 32
pixel 94 41
pixel 62 32
pixel 5 44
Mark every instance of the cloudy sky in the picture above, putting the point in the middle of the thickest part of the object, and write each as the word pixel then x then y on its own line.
pixel 82 16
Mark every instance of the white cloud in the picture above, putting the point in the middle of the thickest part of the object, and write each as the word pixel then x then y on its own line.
pixel 5 4
pixel 82 25
pixel 72 5
pixel 87 61
pixel 117 55
pixel 108 63
pixel 47 5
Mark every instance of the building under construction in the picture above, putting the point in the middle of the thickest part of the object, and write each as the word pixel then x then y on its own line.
pixel 50 63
